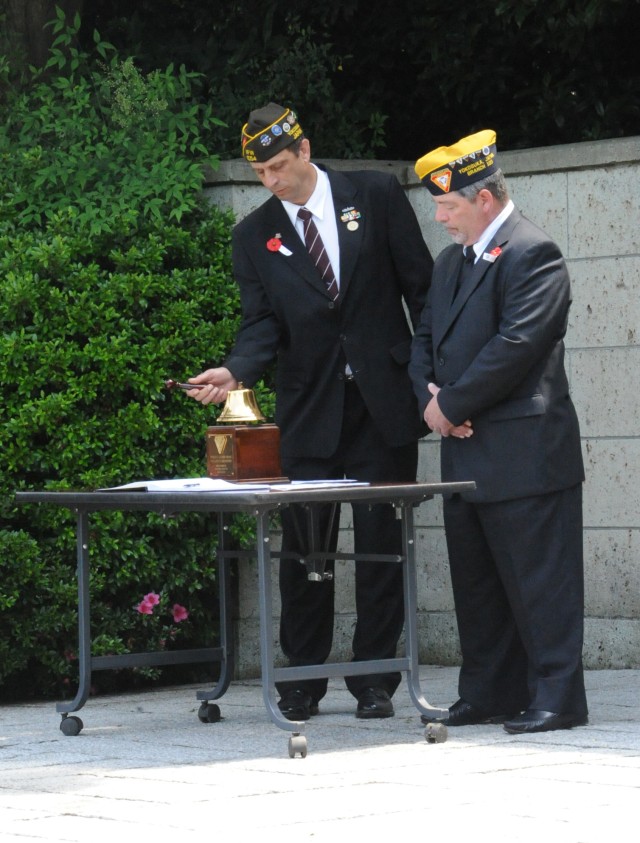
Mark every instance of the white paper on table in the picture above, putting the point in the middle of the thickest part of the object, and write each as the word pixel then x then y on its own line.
pixel 318 484
pixel 188 484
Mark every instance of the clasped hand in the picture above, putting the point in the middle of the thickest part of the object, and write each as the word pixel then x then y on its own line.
pixel 439 423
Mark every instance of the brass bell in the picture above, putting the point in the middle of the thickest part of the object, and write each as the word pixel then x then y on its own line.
pixel 240 406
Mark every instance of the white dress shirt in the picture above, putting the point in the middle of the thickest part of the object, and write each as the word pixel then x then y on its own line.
pixel 490 230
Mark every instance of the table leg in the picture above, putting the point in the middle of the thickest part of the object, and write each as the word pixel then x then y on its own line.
pixel 73 725
pixel 410 581
pixel 211 713
pixel 263 553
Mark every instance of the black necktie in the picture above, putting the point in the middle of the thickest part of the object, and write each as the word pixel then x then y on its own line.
pixel 466 267
pixel 318 253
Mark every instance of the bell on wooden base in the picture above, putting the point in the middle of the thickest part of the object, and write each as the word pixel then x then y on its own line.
pixel 240 406
pixel 243 451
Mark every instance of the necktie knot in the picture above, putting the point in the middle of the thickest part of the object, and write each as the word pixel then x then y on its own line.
pixel 305 214
pixel 469 254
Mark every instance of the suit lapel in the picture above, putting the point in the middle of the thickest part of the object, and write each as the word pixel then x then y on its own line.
pixel 452 306
pixel 350 238
pixel 449 307
pixel 469 284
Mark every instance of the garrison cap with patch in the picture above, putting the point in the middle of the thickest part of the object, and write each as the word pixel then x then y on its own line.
pixel 268 131
pixel 450 168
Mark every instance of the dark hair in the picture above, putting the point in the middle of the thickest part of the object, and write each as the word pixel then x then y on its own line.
pixel 496 184
pixel 295 146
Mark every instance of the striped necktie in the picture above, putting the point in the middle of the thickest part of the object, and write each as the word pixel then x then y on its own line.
pixel 318 253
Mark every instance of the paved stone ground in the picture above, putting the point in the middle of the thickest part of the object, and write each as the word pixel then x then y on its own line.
pixel 145 768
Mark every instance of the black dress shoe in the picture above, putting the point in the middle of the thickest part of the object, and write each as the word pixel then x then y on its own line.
pixel 463 713
pixel 374 702
pixel 297 705
pixel 535 720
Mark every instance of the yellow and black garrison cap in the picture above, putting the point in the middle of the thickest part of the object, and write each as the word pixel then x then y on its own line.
pixel 450 168
pixel 268 131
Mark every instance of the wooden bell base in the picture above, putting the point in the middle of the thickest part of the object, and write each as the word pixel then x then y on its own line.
pixel 244 452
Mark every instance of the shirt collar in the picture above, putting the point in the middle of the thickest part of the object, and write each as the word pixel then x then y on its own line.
pixel 488 234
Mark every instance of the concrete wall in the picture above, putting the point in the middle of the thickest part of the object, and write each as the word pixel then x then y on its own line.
pixel 586 196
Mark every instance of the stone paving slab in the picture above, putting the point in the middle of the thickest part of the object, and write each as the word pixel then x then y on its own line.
pixel 145 767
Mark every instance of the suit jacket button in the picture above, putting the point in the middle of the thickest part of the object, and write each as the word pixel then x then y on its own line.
pixel 332 304
pixel 441 361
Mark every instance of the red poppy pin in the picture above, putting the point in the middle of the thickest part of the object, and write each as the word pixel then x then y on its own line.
pixel 492 255
pixel 274 244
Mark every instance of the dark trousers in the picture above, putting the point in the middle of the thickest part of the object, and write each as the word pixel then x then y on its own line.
pixel 306 623
pixel 518 585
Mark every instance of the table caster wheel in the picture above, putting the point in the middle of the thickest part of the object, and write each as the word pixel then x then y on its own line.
pixel 435 733
pixel 209 713
pixel 297 746
pixel 71 726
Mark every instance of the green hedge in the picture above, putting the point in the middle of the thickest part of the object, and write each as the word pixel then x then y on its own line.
pixel 114 275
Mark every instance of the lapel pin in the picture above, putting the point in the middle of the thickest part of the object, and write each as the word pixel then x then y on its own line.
pixel 274 244
pixel 492 255
pixel 350 216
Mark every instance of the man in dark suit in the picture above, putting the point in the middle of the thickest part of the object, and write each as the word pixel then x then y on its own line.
pixel 334 322
pixel 489 353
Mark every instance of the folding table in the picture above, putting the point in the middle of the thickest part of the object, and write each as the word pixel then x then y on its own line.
pixel 261 505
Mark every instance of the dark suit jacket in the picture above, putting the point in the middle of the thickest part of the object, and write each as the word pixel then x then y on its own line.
pixel 288 315
pixel 497 352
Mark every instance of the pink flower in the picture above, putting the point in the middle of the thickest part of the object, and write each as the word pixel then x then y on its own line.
pixel 273 245
pixel 497 251
pixel 179 613
pixel 152 598
pixel 148 602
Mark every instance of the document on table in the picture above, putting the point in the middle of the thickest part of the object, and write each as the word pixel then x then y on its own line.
pixel 188 484
pixel 215 484
pixel 317 484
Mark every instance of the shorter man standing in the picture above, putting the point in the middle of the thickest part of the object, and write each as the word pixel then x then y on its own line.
pixel 489 351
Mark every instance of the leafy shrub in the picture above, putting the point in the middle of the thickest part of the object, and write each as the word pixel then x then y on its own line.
pixel 114 275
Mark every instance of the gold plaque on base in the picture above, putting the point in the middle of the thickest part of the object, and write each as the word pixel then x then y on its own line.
pixel 244 452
